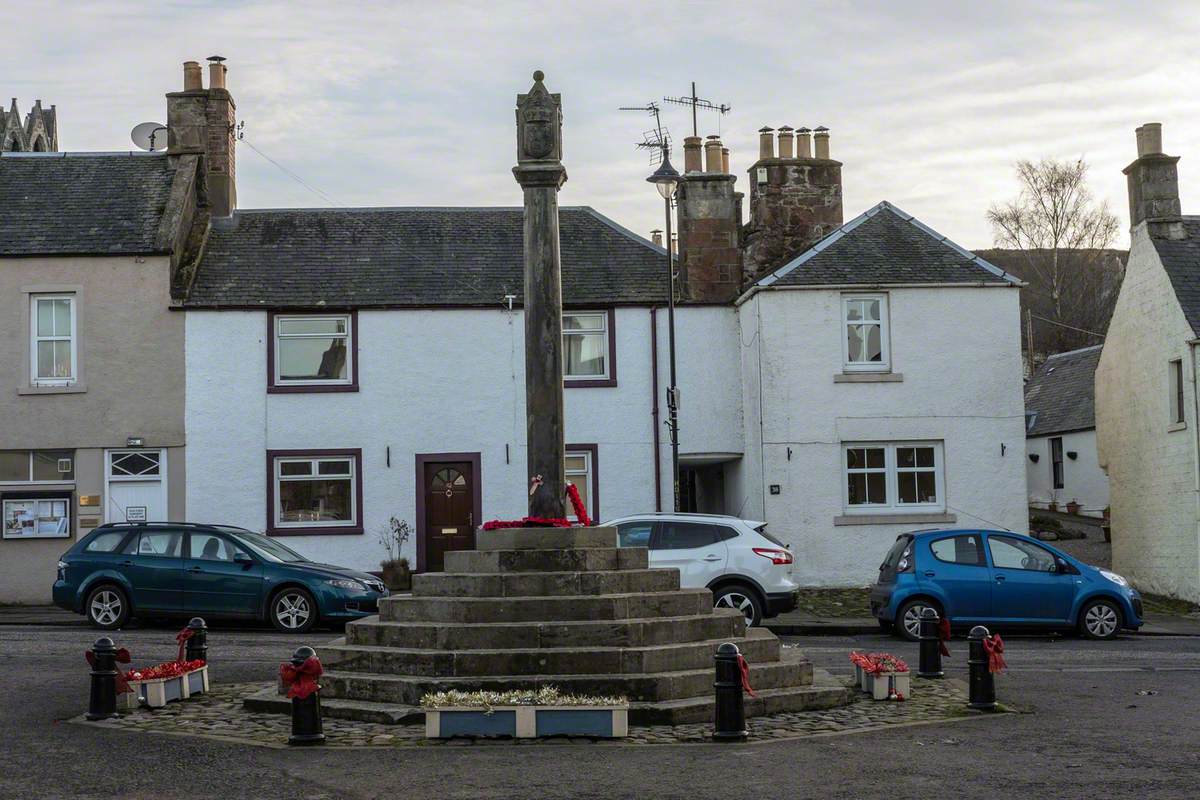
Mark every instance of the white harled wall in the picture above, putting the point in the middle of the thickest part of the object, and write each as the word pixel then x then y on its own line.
pixel 1083 479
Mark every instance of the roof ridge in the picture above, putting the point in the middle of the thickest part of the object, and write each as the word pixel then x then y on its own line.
pixel 1076 351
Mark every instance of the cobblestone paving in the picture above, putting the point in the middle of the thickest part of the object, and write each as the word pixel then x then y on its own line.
pixel 220 715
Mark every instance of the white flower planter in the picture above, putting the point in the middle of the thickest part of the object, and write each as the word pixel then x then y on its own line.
pixel 883 684
pixel 157 692
pixel 527 722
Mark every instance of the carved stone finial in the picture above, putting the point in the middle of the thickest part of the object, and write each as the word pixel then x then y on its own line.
pixel 539 76
pixel 539 125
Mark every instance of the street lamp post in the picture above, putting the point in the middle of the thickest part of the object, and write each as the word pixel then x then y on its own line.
pixel 666 180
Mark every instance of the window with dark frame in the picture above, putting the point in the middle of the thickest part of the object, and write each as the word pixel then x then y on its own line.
pixel 585 346
pixel 315 492
pixel 1175 377
pixel 1056 461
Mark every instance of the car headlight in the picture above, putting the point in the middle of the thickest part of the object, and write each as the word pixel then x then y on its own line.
pixel 1115 578
pixel 62 565
pixel 346 583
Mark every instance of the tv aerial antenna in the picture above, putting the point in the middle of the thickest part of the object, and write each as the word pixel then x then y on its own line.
pixel 150 136
pixel 658 139
pixel 696 104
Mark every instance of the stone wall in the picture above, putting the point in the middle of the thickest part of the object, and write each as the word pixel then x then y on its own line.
pixel 799 202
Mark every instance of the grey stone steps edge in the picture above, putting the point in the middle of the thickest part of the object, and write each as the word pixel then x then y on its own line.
pixel 758 646
pixel 583 559
pixel 543 584
pixel 714 623
pixel 550 608
pixel 408 690
pixel 269 701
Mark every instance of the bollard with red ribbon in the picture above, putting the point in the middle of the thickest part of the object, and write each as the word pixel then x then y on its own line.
pixel 944 635
pixel 300 677
pixel 932 648
pixel 107 679
pixel 731 685
pixel 982 665
pixel 196 641
pixel 994 647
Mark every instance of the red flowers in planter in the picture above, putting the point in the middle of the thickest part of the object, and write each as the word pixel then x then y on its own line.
pixel 878 663
pixel 169 669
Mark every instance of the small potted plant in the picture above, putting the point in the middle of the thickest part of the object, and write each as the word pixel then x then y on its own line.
pixel 396 573
pixel 889 677
pixel 1073 507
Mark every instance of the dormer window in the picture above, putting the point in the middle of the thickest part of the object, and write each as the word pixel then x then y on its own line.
pixel 313 353
pixel 865 337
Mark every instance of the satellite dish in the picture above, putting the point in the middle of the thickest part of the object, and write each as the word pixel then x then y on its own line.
pixel 150 136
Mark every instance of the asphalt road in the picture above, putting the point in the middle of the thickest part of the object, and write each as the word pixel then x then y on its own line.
pixel 1089 734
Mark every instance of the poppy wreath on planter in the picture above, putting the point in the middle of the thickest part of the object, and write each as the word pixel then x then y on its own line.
pixel 169 669
pixel 546 522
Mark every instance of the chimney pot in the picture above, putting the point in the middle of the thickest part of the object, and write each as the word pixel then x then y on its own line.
pixel 725 160
pixel 1149 139
pixel 766 143
pixel 656 237
pixel 821 142
pixel 803 143
pixel 216 72
pixel 192 81
pixel 712 154
pixel 692 156
pixel 785 141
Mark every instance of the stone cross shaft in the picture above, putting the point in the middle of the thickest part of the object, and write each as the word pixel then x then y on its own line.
pixel 540 172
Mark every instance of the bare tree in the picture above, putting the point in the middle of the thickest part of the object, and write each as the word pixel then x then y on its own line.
pixel 1059 237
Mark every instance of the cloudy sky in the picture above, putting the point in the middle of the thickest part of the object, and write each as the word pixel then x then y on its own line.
pixel 401 103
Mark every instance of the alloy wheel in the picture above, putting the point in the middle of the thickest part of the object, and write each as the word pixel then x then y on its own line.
pixel 1101 620
pixel 106 607
pixel 739 601
pixel 912 619
pixel 292 610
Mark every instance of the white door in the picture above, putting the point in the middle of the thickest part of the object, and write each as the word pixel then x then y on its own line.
pixel 135 486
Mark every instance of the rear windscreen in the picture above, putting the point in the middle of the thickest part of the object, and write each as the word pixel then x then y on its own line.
pixel 893 556
pixel 761 530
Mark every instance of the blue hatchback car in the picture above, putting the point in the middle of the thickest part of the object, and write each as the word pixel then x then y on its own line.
pixel 998 578
pixel 148 569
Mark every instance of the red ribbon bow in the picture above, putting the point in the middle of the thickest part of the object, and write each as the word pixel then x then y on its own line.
pixel 944 635
pixel 182 638
pixel 744 667
pixel 122 657
pixel 994 646
pixel 302 680
pixel 577 504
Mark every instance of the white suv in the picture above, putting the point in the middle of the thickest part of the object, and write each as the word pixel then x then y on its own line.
pixel 744 566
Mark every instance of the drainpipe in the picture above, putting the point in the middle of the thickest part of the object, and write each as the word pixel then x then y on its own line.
pixel 1196 433
pixel 654 408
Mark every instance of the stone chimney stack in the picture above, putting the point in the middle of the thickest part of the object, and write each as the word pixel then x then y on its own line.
pixel 710 214
pixel 795 200
pixel 1153 182
pixel 201 122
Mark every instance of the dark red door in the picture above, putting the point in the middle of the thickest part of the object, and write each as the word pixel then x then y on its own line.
pixel 449 511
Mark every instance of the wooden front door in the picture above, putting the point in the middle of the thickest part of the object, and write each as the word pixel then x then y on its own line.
pixel 449 510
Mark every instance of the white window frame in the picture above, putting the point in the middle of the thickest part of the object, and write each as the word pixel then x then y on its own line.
pixel 885 343
pixel 34 339
pixel 588 475
pixel 111 512
pixel 276 336
pixel 279 479
pixel 892 470
pixel 604 337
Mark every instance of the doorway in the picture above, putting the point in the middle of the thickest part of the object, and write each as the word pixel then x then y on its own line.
pixel 135 486
pixel 448 506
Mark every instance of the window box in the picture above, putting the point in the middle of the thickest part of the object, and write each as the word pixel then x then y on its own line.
pixel 527 721
pixel 589 349
pixel 314 492
pixel 866 338
pixel 893 478
pixel 157 692
pixel 312 352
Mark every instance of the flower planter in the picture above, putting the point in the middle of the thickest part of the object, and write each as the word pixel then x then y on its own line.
pixel 157 692
pixel 527 721
pixel 884 683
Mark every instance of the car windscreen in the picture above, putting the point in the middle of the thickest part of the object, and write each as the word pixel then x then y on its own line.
pixel 265 546
pixel 761 530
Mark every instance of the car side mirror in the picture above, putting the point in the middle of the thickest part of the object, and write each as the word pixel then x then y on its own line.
pixel 243 559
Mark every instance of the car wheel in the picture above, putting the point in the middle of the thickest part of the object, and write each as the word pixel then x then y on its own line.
pixel 743 599
pixel 107 607
pixel 1100 619
pixel 908 619
pixel 293 610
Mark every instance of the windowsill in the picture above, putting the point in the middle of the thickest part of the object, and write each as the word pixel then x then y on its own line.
pixel 1176 426
pixel 868 377
pixel 72 388
pixel 893 519
pixel 315 388
pixel 316 530
pixel 589 383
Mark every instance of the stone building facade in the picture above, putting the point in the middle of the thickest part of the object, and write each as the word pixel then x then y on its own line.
pixel 37 133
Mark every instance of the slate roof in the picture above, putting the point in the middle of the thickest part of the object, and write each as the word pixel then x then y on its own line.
pixel 81 203
pixel 1181 259
pixel 886 246
pixel 1062 393
pixel 409 257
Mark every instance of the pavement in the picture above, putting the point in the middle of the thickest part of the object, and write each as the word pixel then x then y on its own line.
pixel 1105 720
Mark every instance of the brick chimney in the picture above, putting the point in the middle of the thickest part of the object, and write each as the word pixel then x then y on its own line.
pixel 201 121
pixel 710 214
pixel 794 199
pixel 1153 182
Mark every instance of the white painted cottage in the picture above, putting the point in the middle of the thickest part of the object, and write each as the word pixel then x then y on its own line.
pixel 1146 390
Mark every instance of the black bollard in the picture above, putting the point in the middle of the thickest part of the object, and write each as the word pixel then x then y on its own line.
pixel 730 717
pixel 982 682
pixel 197 645
pixel 102 704
pixel 306 712
pixel 931 646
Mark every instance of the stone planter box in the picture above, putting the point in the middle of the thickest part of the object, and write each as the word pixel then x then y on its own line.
pixel 882 683
pixel 527 722
pixel 157 692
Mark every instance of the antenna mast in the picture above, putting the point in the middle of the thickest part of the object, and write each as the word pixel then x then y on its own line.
pixel 697 103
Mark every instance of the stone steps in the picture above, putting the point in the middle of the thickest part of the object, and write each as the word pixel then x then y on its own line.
pixel 543 584
pixel 758 646
pixel 546 538
pixel 824 692
pixel 682 602
pixel 721 623
pixel 584 559
pixel 638 687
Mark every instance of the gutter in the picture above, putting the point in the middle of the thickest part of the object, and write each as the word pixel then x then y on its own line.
pixel 654 408
pixel 872 287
